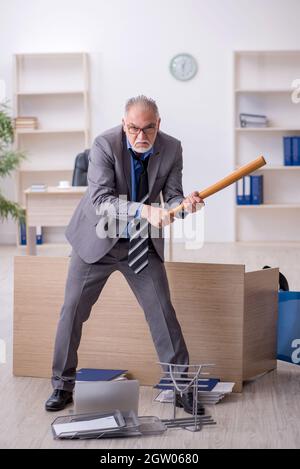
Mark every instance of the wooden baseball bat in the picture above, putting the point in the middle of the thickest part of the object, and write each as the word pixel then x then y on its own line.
pixel 228 180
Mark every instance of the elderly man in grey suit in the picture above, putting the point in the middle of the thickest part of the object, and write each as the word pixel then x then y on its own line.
pixel 118 226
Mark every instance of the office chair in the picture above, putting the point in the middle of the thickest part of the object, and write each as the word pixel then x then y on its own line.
pixel 79 177
pixel 80 169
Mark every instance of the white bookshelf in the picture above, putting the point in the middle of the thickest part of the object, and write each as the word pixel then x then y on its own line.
pixel 54 88
pixel 263 85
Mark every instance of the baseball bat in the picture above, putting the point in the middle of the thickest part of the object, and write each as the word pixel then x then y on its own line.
pixel 228 180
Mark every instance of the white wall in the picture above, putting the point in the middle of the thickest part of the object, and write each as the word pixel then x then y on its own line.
pixel 131 43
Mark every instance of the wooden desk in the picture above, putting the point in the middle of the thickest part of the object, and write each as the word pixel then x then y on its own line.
pixel 52 207
pixel 228 317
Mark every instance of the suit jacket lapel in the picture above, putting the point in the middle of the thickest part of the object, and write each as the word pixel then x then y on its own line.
pixel 154 163
pixel 126 163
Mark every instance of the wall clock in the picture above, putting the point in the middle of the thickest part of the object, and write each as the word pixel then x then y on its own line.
pixel 183 67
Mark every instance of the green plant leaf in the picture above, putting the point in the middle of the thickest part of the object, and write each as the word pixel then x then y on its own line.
pixel 9 161
pixel 9 208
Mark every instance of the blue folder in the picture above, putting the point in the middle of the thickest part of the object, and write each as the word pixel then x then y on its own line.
pixel 257 196
pixel 240 198
pixel 208 383
pixel 288 151
pixel 91 374
pixel 296 151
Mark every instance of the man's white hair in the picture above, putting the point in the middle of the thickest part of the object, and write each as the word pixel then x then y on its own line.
pixel 142 100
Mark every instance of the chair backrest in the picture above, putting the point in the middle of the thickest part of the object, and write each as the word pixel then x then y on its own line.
pixel 80 169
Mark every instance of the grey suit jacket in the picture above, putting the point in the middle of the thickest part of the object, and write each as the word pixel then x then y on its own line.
pixel 107 198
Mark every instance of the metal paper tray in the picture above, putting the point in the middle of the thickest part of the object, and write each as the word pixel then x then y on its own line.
pixel 151 426
pixel 131 427
pixel 83 417
pixel 144 426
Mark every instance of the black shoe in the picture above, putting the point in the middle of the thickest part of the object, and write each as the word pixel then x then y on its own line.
pixel 186 401
pixel 59 400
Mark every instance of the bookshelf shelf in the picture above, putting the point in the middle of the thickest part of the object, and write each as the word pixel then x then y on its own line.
pixel 263 84
pixel 49 93
pixel 265 129
pixel 54 88
pixel 36 169
pixel 48 131
pixel 264 91
pixel 268 206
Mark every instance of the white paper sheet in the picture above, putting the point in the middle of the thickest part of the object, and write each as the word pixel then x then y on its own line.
pixel 85 425
pixel 224 388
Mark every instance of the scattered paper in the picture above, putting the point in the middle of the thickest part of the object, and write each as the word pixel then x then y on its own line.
pixel 85 425
pixel 224 388
pixel 165 396
pixel 214 396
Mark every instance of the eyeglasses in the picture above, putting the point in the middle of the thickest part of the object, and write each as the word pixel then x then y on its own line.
pixel 149 130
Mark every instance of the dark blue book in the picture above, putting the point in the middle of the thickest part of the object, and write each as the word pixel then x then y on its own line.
pixel 296 151
pixel 91 374
pixel 257 197
pixel 288 151
pixel 23 233
pixel 206 384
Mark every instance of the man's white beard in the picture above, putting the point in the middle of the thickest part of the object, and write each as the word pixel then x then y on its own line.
pixel 140 149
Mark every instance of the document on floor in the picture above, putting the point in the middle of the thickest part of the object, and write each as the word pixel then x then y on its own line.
pixel 208 397
pixel 103 423
pixel 224 388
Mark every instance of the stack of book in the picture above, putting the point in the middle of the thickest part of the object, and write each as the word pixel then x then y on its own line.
pixel 250 191
pixel 253 120
pixel 213 395
pixel 38 187
pixel 30 123
pixel 291 147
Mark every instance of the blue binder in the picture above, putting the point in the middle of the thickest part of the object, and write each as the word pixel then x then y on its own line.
pixel 247 190
pixel 288 151
pixel 92 374
pixel 39 235
pixel 208 384
pixel 296 151
pixel 240 192
pixel 257 190
pixel 23 233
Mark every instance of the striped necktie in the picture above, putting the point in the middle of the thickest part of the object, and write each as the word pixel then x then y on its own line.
pixel 139 232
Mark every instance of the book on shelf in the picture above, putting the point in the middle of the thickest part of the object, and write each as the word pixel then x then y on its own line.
pixel 240 191
pixel 208 397
pixel 291 151
pixel 288 151
pixel 249 190
pixel 23 235
pixel 38 187
pixel 256 190
pixel 26 122
pixel 253 120
pixel 296 151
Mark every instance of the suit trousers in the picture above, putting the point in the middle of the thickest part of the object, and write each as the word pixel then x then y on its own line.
pixel 83 287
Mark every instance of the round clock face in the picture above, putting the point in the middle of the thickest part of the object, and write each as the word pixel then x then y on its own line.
pixel 183 67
